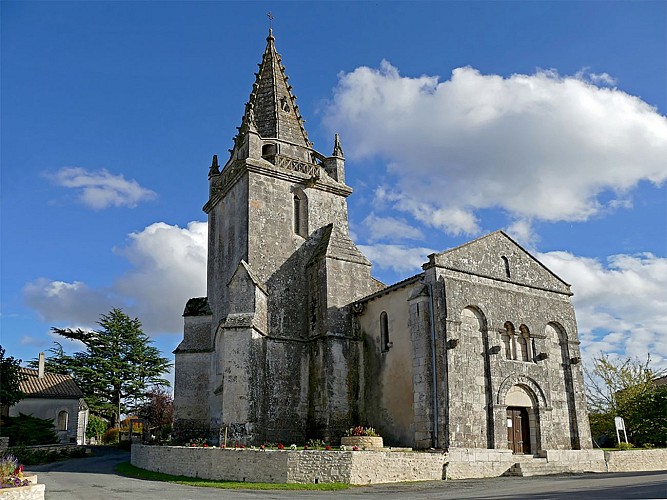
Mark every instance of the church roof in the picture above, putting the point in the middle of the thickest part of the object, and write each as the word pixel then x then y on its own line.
pixel 484 257
pixel 51 385
pixel 272 108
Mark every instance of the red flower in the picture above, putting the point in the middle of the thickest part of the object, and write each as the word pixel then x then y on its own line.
pixel 327 447
pixel 355 448
pixel 281 446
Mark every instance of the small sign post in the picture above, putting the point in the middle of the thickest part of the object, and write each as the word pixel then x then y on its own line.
pixel 620 426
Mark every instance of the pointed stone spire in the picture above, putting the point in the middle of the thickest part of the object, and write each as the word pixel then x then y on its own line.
pixel 272 105
pixel 338 150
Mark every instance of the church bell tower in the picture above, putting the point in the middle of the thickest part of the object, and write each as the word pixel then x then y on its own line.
pixel 276 357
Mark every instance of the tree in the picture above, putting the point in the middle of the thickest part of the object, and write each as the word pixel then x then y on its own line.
pixel 10 380
pixel 96 427
pixel 626 388
pixel 158 412
pixel 118 367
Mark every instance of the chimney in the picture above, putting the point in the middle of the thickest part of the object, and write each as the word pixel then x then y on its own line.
pixel 41 365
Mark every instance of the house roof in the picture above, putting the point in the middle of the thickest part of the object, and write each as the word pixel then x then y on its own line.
pixel 51 385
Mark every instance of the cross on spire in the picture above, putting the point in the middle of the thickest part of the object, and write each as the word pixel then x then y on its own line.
pixel 270 16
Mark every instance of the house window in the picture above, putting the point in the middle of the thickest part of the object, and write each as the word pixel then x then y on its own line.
pixel 385 344
pixel 63 418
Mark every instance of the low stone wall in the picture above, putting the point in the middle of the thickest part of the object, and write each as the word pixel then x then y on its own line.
pixel 636 460
pixel 286 466
pixel 577 460
pixel 467 463
pixel 32 492
pixel 371 467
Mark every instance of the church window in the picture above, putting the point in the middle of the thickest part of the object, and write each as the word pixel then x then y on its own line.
pixel 63 417
pixel 269 150
pixel 384 332
pixel 297 214
pixel 509 341
pixel 506 264
pixel 283 104
pixel 300 213
pixel 523 343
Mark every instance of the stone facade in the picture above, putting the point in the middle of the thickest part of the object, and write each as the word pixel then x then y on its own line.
pixel 296 340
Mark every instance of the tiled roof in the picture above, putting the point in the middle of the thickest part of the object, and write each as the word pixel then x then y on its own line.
pixel 52 385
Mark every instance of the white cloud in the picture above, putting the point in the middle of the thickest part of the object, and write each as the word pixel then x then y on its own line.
pixel 399 258
pixel 379 228
pixel 539 147
pixel 621 307
pixel 169 267
pixel 522 231
pixel 101 189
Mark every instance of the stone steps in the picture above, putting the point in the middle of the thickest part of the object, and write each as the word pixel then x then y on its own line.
pixel 530 466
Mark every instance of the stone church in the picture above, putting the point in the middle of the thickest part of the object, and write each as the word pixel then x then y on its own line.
pixel 296 340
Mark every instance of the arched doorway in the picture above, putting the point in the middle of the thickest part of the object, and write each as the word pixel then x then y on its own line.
pixel 521 422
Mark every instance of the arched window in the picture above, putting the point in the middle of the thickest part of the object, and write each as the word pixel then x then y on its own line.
pixel 297 214
pixel 385 344
pixel 506 264
pixel 509 341
pixel 300 213
pixel 63 418
pixel 523 343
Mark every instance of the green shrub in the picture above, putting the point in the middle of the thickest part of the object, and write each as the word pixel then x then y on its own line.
pixel 624 446
pixel 111 436
pixel 27 430
pixel 97 426
pixel 31 456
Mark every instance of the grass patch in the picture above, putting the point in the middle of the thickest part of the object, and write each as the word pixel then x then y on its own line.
pixel 129 470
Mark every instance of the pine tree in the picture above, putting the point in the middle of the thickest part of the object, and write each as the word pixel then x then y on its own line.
pixel 118 368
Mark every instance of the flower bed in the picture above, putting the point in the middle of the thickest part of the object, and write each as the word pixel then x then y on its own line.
pixel 14 485
pixel 362 442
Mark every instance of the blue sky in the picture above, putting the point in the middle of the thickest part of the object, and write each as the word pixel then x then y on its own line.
pixel 545 119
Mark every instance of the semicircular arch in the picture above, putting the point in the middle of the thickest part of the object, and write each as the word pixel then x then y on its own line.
pixel 528 384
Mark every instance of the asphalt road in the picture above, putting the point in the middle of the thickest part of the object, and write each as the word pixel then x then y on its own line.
pixel 94 479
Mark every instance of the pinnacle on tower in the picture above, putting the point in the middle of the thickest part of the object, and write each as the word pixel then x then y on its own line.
pixel 338 150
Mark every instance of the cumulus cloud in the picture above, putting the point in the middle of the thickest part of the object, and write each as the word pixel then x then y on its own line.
pixel 621 305
pixel 168 268
pixel 539 147
pixel 378 228
pixel 399 258
pixel 101 189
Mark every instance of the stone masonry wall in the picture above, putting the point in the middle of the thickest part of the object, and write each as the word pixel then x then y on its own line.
pixel 273 466
pixel 372 467
pixel 636 460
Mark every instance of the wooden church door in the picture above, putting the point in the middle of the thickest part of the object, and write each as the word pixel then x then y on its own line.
pixel 518 431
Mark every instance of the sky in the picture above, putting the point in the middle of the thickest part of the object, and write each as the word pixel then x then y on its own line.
pixel 544 119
